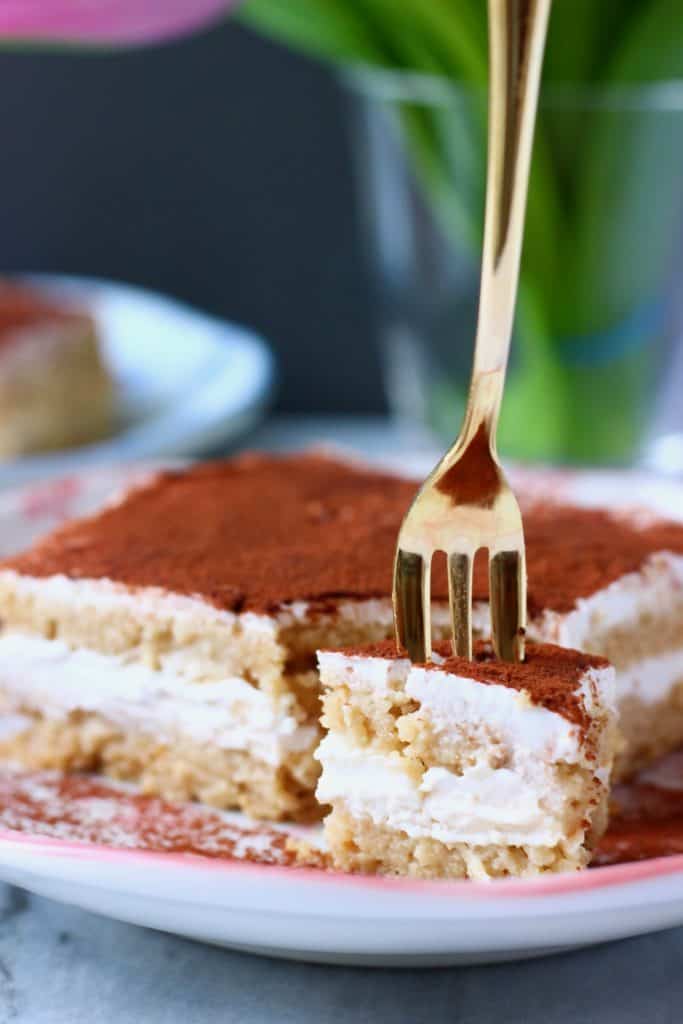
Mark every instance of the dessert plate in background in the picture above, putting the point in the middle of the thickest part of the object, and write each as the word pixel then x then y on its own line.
pixel 185 381
pixel 92 848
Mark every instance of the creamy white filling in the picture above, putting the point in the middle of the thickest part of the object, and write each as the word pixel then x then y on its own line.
pixel 482 806
pixel 520 802
pixel 654 590
pixel 190 613
pixel 651 680
pixel 448 701
pixel 229 714
pixel 105 596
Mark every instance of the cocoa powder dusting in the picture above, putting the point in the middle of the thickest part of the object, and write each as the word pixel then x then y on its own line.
pixel 646 815
pixel 81 808
pixel 258 532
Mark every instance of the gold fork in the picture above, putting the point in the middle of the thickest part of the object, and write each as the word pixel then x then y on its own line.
pixel 466 503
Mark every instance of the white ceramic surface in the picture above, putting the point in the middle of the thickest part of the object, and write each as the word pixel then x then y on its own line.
pixel 325 916
pixel 184 380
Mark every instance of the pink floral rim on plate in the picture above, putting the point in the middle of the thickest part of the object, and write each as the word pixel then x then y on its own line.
pixel 513 888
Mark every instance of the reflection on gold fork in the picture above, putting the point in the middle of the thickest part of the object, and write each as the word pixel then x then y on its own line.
pixel 466 503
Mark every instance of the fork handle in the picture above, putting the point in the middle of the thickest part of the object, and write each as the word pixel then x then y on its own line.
pixel 517 31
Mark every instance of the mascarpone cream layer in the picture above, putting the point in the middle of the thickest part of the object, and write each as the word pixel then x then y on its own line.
pixel 651 680
pixel 104 595
pixel 655 591
pixel 481 807
pixel 521 803
pixel 229 714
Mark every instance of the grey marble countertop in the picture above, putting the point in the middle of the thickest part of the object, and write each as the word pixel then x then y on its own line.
pixel 59 965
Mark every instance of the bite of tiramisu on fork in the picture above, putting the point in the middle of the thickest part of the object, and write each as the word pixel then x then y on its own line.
pixel 457 762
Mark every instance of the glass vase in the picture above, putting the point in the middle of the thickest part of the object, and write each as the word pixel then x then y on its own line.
pixel 599 316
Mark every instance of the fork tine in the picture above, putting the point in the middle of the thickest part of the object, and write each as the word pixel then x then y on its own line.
pixel 507 582
pixel 412 599
pixel 460 599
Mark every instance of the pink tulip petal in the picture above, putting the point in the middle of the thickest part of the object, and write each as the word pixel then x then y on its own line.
pixel 106 21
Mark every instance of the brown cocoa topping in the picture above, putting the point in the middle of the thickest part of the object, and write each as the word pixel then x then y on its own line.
pixel 259 532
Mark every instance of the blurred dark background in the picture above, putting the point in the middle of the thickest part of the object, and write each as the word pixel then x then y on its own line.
pixel 216 169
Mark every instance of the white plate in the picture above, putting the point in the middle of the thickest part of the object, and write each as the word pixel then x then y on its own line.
pixel 184 380
pixel 333 918
pixel 325 916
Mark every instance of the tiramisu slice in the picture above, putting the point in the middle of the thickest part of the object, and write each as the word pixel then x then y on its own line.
pixel 465 769
pixel 55 391
pixel 170 640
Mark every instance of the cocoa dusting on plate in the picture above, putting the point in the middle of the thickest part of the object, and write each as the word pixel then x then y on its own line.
pixel 80 808
pixel 646 815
